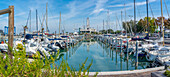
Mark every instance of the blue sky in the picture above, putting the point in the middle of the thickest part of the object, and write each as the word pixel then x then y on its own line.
pixel 75 12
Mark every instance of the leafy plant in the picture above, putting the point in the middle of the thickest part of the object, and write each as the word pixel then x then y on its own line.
pixel 20 65
pixel 167 73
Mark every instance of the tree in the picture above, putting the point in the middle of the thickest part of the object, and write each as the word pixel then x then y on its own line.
pixel 152 24
pixel 110 31
pixel 167 23
pixel 103 31
pixel 159 22
pixel 128 26
pixel 118 32
pixel 141 25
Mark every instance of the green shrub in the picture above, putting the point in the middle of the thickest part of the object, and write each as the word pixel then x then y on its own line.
pixel 39 67
pixel 167 73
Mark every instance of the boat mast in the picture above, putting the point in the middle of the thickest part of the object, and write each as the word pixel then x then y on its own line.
pixel 134 17
pixel 116 24
pixel 125 20
pixel 147 16
pixel 103 26
pixel 42 26
pixel 46 18
pixel 30 20
pixel 162 23
pixel 108 20
pixel 59 23
pixel 121 21
pixel 97 29
pixel 37 20
pixel 166 9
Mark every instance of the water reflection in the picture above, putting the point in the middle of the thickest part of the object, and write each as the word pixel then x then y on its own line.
pixel 104 57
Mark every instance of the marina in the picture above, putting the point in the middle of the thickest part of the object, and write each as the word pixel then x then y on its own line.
pixel 118 47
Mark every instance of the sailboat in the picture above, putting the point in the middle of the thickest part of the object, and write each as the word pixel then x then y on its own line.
pixel 162 54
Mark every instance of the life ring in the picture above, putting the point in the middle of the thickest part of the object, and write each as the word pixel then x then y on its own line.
pixel 2 42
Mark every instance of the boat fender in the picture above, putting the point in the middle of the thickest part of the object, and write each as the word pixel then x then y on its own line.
pixel 148 56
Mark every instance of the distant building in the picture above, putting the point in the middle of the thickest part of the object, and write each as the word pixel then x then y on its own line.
pixel 6 30
pixel 87 29
pixel 1 32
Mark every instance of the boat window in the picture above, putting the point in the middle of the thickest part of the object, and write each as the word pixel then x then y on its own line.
pixel 164 49
pixel 153 43
pixel 64 36
pixel 32 45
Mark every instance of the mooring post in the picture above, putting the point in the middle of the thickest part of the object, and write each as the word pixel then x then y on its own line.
pixel 121 47
pixel 67 43
pixel 136 63
pixel 70 43
pixel 55 34
pixel 11 30
pixel 127 50
pixel 42 33
pixel 108 41
pixel 97 38
pixel 113 43
pixel 25 27
pixel 116 44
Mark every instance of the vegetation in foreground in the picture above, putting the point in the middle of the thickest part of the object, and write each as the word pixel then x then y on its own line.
pixel 167 73
pixel 39 67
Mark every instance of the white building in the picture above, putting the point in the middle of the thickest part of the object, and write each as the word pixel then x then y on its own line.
pixel 88 29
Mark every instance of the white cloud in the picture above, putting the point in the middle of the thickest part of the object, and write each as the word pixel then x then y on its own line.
pixel 76 8
pixel 52 17
pixel 1 15
pixel 20 14
pixel 4 18
pixel 99 6
pixel 98 10
pixel 72 8
pixel 115 11
pixel 132 4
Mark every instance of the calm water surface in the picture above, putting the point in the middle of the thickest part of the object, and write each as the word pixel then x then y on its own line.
pixel 104 59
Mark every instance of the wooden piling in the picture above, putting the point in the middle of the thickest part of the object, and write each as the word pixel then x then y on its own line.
pixel 136 62
pixel 127 50
pixel 11 30
pixel 121 47
pixel 116 44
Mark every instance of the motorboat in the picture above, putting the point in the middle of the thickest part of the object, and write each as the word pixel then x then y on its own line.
pixel 157 52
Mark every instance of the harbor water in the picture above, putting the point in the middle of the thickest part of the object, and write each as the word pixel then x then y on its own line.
pixel 104 58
